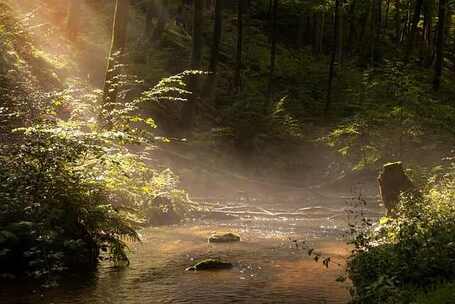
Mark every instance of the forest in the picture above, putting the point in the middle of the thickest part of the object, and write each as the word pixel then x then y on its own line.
pixel 227 151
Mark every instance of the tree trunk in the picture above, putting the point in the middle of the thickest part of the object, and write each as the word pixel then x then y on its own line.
pixel 339 38
pixel 217 31
pixel 300 30
pixel 189 107
pixel 209 87
pixel 149 15
pixel 386 17
pixel 333 58
pixel 428 14
pixel 74 19
pixel 440 45
pixel 116 54
pixel 413 31
pixel 273 47
pixel 161 24
pixel 238 61
pixel 352 27
pixel 398 22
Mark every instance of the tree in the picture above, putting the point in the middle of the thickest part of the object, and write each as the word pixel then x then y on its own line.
pixel 196 58
pixel 150 13
pixel 273 46
pixel 412 33
pixel 214 54
pixel 161 24
pixel 333 58
pixel 440 44
pixel 217 31
pixel 116 53
pixel 238 65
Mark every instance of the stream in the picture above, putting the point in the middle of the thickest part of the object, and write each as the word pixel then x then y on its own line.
pixel 269 267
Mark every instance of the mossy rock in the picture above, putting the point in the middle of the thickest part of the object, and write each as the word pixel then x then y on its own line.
pixel 224 238
pixel 210 264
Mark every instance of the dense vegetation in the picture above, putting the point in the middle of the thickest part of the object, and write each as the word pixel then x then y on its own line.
pixel 260 86
pixel 413 251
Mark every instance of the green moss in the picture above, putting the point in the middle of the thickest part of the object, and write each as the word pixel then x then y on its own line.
pixel 210 264
pixel 224 238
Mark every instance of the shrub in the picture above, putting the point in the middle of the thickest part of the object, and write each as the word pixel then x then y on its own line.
pixel 414 250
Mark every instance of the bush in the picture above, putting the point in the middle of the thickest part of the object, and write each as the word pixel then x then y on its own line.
pixel 69 190
pixel 414 250
pixel 55 212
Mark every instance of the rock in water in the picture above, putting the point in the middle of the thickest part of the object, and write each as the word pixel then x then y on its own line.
pixel 224 238
pixel 210 264
pixel 392 182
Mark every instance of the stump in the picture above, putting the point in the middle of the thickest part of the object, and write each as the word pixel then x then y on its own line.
pixel 392 182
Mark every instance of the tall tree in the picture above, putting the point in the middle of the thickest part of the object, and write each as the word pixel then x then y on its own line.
pixel 161 23
pixel 333 58
pixel 442 16
pixel 398 22
pixel 217 31
pixel 413 31
pixel 74 19
pixel 428 15
pixel 150 12
pixel 116 53
pixel 189 107
pixel 352 26
pixel 273 46
pixel 300 29
pixel 238 61
pixel 215 49
pixel 339 29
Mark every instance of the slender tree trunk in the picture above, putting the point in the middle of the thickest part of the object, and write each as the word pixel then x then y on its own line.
pixel 413 31
pixel 339 40
pixel 379 25
pixel 116 54
pixel 440 44
pixel 398 22
pixel 270 9
pixel 321 34
pixel 196 51
pixel 333 58
pixel 273 46
pixel 352 26
pixel 161 24
pixel 149 14
pixel 74 19
pixel 217 31
pixel 215 50
pixel 238 61
pixel 369 34
pixel 386 17
pixel 428 14
pixel 407 24
pixel 300 30
pixel 189 107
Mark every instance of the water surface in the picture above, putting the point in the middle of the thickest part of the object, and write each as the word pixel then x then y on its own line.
pixel 268 266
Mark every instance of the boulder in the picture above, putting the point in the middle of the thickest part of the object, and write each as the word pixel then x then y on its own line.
pixel 210 264
pixel 392 182
pixel 224 238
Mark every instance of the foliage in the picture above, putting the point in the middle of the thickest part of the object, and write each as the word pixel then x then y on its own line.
pixel 393 116
pixel 413 250
pixel 71 192
pixel 441 294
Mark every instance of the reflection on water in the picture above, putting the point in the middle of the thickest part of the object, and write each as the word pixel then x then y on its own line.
pixel 268 268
